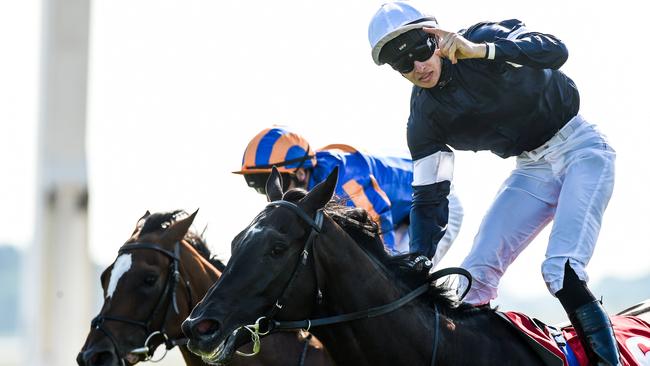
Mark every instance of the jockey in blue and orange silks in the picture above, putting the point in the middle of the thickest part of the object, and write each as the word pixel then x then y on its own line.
pixel 379 184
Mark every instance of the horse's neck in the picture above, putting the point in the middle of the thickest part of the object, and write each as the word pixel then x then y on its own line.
pixel 199 272
pixel 354 282
pixel 351 279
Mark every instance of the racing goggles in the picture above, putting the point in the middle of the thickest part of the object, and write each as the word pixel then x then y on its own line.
pixel 419 52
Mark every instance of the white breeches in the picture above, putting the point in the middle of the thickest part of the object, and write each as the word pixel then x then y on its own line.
pixel 569 181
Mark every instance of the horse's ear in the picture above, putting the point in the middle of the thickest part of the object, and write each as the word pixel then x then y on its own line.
pixel 140 222
pixel 178 230
pixel 274 185
pixel 322 193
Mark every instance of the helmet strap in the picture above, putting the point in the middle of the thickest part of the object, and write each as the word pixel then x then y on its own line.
pixel 304 158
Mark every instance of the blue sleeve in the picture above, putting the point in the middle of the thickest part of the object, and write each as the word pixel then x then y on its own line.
pixel 429 215
pixel 514 43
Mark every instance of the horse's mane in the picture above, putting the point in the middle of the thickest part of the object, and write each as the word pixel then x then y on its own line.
pixel 160 221
pixel 366 233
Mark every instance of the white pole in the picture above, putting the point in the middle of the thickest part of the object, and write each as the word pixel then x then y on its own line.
pixel 58 277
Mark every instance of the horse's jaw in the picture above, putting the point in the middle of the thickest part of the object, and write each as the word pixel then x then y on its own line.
pixel 222 354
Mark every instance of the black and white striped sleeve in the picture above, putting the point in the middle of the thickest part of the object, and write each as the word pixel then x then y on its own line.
pixel 430 207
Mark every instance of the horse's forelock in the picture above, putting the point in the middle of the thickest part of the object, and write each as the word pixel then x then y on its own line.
pixel 160 221
pixel 294 195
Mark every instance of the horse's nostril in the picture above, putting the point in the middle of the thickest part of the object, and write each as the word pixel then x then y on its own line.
pixel 207 326
pixel 92 358
pixel 99 359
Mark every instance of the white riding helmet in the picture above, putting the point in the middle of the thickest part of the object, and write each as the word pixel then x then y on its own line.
pixel 393 19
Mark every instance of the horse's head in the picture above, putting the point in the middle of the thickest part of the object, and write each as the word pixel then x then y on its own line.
pixel 273 277
pixel 147 291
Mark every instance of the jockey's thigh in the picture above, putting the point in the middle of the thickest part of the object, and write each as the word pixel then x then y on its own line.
pixel 522 208
pixel 585 168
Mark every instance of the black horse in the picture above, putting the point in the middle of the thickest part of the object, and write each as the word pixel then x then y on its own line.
pixel 287 265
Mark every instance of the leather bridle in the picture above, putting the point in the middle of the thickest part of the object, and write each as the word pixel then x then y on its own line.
pixel 168 296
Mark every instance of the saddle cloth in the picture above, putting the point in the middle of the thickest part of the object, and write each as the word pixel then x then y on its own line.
pixel 561 347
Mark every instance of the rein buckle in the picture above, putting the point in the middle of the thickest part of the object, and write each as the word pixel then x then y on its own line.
pixel 145 350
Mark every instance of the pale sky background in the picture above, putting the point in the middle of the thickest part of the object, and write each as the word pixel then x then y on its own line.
pixel 178 88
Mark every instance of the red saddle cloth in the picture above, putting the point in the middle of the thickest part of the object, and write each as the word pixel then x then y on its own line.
pixel 632 335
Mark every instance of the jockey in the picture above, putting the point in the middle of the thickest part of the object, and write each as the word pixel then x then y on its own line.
pixel 379 184
pixel 496 86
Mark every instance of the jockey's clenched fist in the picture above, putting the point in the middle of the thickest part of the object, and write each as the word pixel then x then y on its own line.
pixel 453 46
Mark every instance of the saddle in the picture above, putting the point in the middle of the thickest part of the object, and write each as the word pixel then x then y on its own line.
pixel 560 346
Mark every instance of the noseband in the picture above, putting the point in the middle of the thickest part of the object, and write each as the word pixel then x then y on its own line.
pixel 259 328
pixel 169 294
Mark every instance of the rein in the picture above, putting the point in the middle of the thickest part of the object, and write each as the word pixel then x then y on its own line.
pixel 272 325
pixel 372 312
pixel 169 294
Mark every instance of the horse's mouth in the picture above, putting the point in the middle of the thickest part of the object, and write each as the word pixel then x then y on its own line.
pixel 133 358
pixel 223 352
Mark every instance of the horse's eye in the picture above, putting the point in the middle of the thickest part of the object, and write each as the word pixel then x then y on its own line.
pixel 278 249
pixel 150 280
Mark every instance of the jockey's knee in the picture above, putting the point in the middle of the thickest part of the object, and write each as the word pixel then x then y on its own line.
pixel 485 281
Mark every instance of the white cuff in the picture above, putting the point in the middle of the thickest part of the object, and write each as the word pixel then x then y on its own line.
pixel 434 168
pixel 491 50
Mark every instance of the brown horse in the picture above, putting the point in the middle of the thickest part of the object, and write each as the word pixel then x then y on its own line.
pixel 160 274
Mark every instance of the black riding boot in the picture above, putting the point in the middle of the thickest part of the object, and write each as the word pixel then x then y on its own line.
pixel 590 320
pixel 596 334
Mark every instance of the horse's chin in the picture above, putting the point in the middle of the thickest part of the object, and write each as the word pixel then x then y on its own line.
pixel 222 353
pixel 133 358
